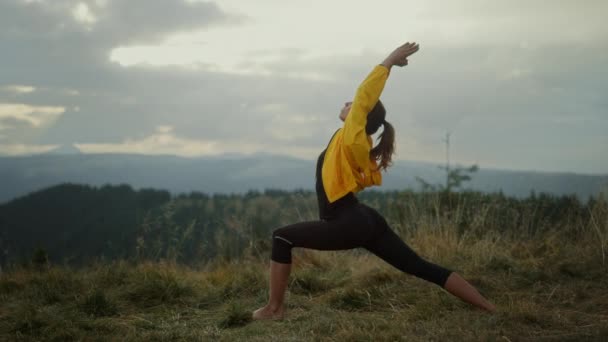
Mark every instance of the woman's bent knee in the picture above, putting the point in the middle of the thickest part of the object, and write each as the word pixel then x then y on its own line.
pixel 281 247
pixel 279 234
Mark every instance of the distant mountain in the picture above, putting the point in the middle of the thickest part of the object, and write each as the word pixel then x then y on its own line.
pixel 65 149
pixel 239 174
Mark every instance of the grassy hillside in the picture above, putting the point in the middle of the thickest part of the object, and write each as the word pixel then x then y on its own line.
pixel 548 285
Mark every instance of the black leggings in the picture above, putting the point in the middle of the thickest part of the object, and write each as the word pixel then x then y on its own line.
pixel 355 226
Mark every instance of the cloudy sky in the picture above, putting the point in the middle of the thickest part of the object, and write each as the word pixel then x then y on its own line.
pixel 520 84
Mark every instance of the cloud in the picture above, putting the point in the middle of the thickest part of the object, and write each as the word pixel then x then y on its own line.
pixel 109 22
pixel 20 123
pixel 161 142
pixel 24 149
pixel 285 125
pixel 164 141
pixel 18 89
pixel 68 63
pixel 3 127
pixel 35 116
pixel 83 14
pixel 47 47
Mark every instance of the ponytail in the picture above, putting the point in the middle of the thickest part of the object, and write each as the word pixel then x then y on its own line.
pixel 383 152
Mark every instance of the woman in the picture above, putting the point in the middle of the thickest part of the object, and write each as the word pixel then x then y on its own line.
pixel 348 165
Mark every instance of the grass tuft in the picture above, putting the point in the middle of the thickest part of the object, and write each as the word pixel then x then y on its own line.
pixel 27 320
pixel 351 300
pixel 235 316
pixel 98 305
pixel 53 285
pixel 309 281
pixel 150 286
pixel 500 264
pixel 9 286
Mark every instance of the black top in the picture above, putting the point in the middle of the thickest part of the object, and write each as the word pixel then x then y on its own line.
pixel 328 210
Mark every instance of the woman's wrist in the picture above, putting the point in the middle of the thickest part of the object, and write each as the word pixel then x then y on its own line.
pixel 388 63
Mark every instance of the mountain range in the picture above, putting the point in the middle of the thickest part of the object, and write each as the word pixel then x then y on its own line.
pixel 20 175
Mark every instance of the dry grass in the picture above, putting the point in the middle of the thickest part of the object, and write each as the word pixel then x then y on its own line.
pixel 547 287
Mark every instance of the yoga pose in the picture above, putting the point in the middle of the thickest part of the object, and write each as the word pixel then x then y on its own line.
pixel 348 165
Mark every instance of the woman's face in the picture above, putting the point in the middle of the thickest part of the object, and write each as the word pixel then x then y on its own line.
pixel 345 110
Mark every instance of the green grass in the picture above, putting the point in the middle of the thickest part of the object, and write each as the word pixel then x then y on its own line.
pixel 547 287
pixel 545 296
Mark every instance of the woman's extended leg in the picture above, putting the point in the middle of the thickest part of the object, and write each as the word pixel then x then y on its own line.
pixel 391 248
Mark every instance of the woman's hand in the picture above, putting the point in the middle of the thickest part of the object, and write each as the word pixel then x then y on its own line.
pixel 400 55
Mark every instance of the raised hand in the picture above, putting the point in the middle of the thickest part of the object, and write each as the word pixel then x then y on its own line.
pixel 400 55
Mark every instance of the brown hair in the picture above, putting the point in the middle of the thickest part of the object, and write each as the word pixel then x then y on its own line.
pixel 383 152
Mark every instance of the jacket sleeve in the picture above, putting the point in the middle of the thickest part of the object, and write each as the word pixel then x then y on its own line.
pixel 370 178
pixel 370 175
pixel 355 138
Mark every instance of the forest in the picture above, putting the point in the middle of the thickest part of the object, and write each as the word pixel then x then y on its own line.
pixel 77 224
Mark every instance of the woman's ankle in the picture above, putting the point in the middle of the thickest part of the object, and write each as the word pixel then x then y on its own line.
pixel 275 307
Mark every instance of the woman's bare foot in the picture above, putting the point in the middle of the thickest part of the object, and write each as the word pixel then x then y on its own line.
pixel 491 308
pixel 459 287
pixel 267 312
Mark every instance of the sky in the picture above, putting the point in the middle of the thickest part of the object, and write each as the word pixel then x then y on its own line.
pixel 519 85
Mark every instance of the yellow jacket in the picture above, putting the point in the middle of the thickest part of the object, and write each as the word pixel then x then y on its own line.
pixel 347 165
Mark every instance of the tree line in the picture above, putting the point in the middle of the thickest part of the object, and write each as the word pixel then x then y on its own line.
pixel 76 224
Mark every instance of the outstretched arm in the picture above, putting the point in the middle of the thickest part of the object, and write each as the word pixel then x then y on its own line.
pixel 368 94
pixel 370 89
